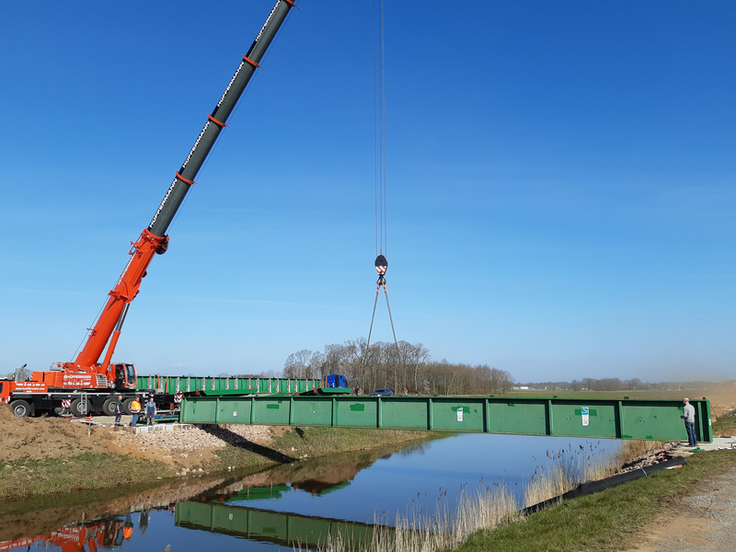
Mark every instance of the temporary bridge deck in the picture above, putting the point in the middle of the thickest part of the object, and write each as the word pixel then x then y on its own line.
pixel 657 420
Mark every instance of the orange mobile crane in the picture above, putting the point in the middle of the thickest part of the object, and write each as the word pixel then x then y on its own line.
pixel 85 385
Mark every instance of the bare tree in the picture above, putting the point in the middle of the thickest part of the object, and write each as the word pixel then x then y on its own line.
pixel 302 364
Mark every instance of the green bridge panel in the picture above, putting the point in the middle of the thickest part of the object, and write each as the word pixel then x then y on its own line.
pixel 261 525
pixel 602 420
pixel 268 411
pixel 657 420
pixel 518 417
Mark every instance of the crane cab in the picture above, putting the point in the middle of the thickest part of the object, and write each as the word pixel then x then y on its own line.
pixel 125 376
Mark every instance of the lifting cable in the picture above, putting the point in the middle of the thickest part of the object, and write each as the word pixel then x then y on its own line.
pixel 379 138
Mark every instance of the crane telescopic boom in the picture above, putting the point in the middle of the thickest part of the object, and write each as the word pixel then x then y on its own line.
pixel 153 239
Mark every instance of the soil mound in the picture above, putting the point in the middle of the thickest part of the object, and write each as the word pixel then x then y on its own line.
pixel 38 438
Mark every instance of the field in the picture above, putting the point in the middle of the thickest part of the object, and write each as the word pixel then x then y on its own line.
pixel 722 397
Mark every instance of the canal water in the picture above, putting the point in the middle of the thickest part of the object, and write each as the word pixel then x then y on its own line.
pixel 275 509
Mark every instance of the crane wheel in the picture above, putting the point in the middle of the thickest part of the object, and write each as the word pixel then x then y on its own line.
pixel 21 408
pixel 108 407
pixel 126 405
pixel 77 410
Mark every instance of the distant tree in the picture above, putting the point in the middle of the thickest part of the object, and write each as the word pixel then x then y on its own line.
pixel 493 380
pixel 303 364
pixel 269 374
pixel 398 366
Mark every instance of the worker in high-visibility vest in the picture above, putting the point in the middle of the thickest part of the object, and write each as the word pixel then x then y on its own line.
pixel 135 408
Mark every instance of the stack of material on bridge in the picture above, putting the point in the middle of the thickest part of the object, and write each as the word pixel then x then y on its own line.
pixel 226 385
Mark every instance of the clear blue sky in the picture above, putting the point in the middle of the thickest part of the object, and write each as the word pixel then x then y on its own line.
pixel 561 183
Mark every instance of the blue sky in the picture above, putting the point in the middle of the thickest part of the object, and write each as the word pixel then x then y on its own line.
pixel 561 184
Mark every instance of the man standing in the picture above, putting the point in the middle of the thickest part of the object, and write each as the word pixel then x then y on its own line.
pixel 150 411
pixel 688 414
pixel 118 410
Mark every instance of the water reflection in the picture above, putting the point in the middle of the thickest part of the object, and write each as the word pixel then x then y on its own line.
pixel 183 500
pixel 99 534
pixel 291 530
pixel 294 504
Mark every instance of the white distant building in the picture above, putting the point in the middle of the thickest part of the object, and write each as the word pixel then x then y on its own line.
pixel 521 388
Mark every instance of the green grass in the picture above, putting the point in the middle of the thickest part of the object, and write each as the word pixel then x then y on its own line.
pixel 605 521
pixel 317 442
pixel 725 425
pixel 29 477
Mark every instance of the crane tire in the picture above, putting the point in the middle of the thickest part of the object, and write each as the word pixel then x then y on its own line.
pixel 108 407
pixel 21 408
pixel 76 409
pixel 126 406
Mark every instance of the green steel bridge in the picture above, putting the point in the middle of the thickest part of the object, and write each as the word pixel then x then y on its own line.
pixel 657 420
pixel 290 530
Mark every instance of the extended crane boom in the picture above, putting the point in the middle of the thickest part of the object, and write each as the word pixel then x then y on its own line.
pixel 154 239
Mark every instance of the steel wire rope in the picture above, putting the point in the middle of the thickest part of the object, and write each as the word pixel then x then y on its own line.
pixel 380 180
pixel 88 331
pixel 376 160
pixel 379 127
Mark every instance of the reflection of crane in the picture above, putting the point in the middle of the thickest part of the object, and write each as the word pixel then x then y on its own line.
pixel 100 534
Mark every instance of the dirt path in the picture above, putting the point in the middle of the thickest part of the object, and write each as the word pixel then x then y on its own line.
pixel 702 522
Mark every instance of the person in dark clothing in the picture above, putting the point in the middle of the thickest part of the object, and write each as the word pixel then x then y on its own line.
pixel 150 412
pixel 118 410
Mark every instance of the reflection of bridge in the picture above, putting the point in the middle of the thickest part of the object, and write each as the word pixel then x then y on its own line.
pixel 265 526
pixel 657 420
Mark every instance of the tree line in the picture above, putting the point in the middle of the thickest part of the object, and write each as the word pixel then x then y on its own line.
pixel 398 367
pixel 616 384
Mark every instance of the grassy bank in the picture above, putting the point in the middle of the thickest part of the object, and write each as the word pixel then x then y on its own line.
pixel 317 442
pixel 725 425
pixel 604 521
pixel 30 477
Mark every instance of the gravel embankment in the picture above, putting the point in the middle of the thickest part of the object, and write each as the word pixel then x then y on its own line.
pixel 193 438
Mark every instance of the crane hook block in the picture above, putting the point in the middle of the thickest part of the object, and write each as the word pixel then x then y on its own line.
pixel 381 265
